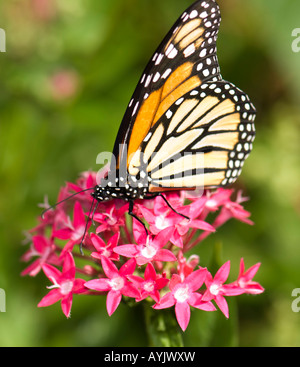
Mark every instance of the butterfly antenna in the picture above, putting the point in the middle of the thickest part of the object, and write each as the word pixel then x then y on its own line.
pixel 62 201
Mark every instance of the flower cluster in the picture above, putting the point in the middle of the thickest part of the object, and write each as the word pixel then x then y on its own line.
pixel 122 260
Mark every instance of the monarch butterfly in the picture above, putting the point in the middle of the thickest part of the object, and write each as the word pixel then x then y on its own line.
pixel 185 127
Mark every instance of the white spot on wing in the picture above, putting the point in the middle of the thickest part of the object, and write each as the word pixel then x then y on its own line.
pixel 166 73
pixel 135 108
pixel 193 14
pixel 189 50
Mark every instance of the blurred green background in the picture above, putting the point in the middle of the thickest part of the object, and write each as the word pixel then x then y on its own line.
pixel 69 70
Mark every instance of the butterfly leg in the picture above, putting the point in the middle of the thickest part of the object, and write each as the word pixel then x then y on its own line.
pixel 166 201
pixel 130 212
pixel 170 206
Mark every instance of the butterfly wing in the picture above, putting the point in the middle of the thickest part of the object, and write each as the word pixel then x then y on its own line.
pixel 184 60
pixel 202 140
pixel 185 127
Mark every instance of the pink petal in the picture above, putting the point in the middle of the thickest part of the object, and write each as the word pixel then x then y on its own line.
pixel 161 283
pixel 109 268
pixel 196 301
pixel 99 217
pixel 242 267
pixel 69 266
pixel 206 306
pixel 130 290
pixel 196 279
pixel 112 301
pixel 232 290
pixel 128 268
pixel 53 296
pixel 176 239
pixel 33 269
pixel 78 286
pixel 113 241
pixel 164 255
pixel 174 281
pixel 98 242
pixel 250 273
pixel 254 288
pixel 155 296
pixel 139 232
pixel 196 208
pixel 138 281
pixel 222 304
pixel 40 243
pixel 51 273
pixel 183 314
pixel 223 273
pixel 163 237
pixel 150 273
pixel 127 250
pixel 101 285
pixel 63 234
pixel 66 304
pixel 200 224
pixel 79 217
pixel 165 302
pixel 147 214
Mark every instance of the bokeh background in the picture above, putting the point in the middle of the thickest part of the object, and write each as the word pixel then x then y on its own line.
pixel 66 77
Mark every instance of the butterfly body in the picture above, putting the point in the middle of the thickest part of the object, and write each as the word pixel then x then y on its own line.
pixel 185 127
pixel 120 188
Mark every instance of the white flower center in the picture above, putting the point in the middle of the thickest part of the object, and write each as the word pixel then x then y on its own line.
pixel 117 283
pixel 211 203
pixel 161 222
pixel 66 287
pixel 214 289
pixel 148 252
pixel 105 252
pixel 149 287
pixel 182 293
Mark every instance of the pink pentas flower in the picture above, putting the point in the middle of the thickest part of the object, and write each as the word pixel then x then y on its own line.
pixel 233 209
pixel 244 281
pixel 86 181
pixel 149 248
pixel 156 250
pixel 64 285
pixel 150 284
pixel 186 266
pixel 214 200
pixel 183 294
pixel 221 200
pixel 116 283
pixel 75 231
pixel 216 289
pixel 163 217
pixel 44 249
pixel 51 217
pixel 103 249
pixel 112 219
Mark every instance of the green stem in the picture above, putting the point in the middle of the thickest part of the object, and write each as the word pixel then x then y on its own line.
pixel 162 327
